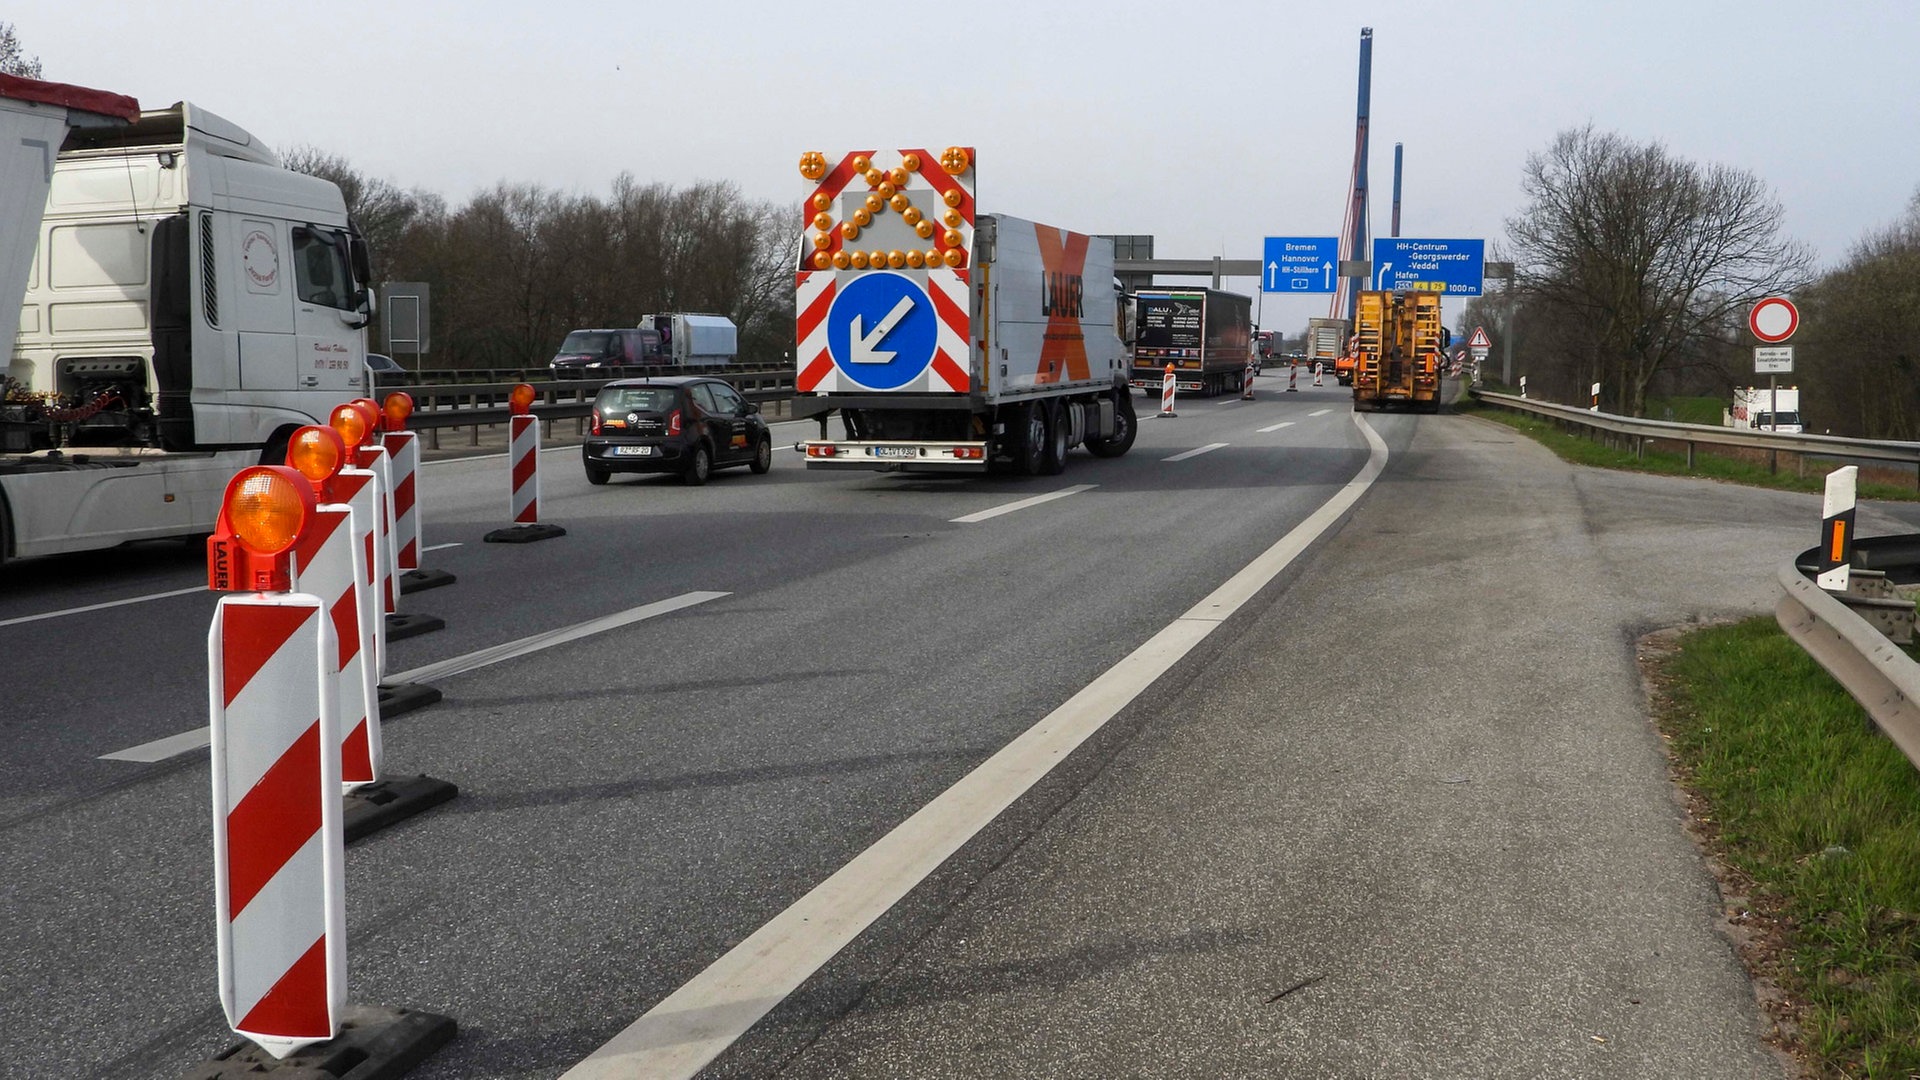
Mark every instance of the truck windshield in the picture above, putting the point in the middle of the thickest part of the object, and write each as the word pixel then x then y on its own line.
pixel 1787 419
pixel 582 341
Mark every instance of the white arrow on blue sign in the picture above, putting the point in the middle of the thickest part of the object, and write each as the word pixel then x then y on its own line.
pixel 1452 267
pixel 882 330
pixel 1300 264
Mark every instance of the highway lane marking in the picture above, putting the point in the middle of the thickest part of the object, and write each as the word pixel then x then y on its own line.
pixel 1319 412
pixel 172 745
pixel 1022 504
pixel 695 1023
pixel 100 607
pixel 1195 452
pixel 440 547
pixel 1276 427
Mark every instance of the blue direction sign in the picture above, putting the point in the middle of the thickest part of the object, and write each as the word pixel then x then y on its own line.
pixel 882 330
pixel 1453 267
pixel 1300 264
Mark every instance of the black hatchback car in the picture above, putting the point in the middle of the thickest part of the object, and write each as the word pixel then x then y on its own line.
pixel 682 424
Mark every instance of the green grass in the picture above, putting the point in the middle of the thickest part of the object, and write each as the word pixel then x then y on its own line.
pixel 1824 815
pixel 1583 449
pixel 1686 410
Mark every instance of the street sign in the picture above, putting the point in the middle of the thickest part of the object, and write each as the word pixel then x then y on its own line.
pixel 1774 319
pixel 1479 339
pixel 1300 264
pixel 1479 352
pixel 882 330
pixel 1453 267
pixel 1773 360
pixel 405 316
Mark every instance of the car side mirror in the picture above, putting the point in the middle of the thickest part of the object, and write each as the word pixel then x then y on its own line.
pixel 749 409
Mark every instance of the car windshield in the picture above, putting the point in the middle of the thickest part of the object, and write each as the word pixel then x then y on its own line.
pixel 582 341
pixel 627 399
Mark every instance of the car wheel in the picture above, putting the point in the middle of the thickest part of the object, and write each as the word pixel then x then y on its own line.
pixel 597 475
pixel 762 456
pixel 699 466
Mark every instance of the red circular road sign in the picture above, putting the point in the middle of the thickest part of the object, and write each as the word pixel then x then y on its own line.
pixel 1774 319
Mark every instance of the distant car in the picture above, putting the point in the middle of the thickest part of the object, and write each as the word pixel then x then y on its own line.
pixel 592 350
pixel 380 365
pixel 688 425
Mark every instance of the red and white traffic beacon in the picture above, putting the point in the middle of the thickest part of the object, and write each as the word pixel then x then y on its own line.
pixel 523 459
pixel 279 893
pixel 359 487
pixel 403 450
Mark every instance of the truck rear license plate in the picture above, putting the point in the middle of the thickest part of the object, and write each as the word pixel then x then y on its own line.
pixel 632 451
pixel 895 451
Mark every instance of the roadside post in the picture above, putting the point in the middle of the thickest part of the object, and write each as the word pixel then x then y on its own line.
pixel 1836 529
pixel 1246 382
pixel 1595 407
pixel 1523 386
pixel 371 453
pixel 279 858
pixel 523 458
pixel 1316 374
pixel 1293 374
pixel 1168 386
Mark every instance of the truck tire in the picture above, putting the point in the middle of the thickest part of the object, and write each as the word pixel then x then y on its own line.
pixel 1030 447
pixel 1125 427
pixel 1054 461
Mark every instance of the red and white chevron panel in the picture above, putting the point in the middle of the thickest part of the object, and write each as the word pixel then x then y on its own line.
pixel 524 453
pixel 328 563
pixel 403 450
pixel 359 488
pixel 952 294
pixel 388 566
pixel 813 295
pixel 949 291
pixel 279 892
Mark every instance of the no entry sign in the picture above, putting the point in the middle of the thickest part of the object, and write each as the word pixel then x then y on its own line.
pixel 1774 319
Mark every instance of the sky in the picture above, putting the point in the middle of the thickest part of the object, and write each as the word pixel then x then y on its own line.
pixel 1209 125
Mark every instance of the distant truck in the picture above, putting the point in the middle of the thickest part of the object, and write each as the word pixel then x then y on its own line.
pixel 1205 334
pixel 184 303
pixel 950 340
pixel 1326 344
pixel 1758 409
pixel 1397 352
pixel 692 340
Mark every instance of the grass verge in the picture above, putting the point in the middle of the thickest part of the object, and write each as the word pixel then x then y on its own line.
pixel 1581 449
pixel 1817 819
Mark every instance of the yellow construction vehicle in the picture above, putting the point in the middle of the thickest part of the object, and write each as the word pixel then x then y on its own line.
pixel 1397 354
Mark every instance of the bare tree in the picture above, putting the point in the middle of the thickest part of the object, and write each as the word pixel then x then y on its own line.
pixel 13 58
pixel 1639 262
pixel 1859 343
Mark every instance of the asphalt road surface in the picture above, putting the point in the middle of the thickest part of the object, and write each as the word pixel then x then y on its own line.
pixel 1399 814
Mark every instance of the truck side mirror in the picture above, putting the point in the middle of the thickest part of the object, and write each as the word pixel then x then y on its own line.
pixel 1446 337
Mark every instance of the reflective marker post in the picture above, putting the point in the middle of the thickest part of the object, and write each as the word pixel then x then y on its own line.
pixel 523 463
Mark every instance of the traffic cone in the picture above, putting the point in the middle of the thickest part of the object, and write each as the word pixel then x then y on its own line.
pixel 1293 373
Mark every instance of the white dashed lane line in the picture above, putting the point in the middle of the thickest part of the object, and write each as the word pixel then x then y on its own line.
pixel 1276 427
pixel 1195 452
pixel 1008 508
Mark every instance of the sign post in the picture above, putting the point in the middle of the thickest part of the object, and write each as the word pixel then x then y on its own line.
pixel 1773 321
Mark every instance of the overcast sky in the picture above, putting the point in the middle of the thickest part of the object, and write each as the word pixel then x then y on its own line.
pixel 1207 124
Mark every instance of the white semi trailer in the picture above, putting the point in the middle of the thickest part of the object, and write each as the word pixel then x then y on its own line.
pixel 184 304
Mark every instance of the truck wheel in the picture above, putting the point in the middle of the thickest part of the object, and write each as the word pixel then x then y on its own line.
pixel 1054 461
pixel 1124 429
pixel 1029 455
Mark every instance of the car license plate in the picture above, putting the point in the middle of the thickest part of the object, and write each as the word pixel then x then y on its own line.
pixel 632 451
pixel 895 451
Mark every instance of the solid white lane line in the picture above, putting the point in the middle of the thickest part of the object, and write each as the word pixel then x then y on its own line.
pixel 1022 504
pixel 1195 452
pixel 161 749
pixel 1319 412
pixel 440 547
pixel 99 607
pixel 694 1024
pixel 1276 427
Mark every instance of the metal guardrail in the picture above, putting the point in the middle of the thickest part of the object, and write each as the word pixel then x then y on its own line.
pixel 1905 453
pixel 483 404
pixel 1879 674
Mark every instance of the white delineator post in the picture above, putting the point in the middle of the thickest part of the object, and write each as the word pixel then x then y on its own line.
pixel 279 854
pixel 1595 407
pixel 525 456
pixel 330 563
pixel 1836 529
pixel 1316 373
pixel 1168 385
pixel 1293 373
pixel 1246 383
pixel 1523 386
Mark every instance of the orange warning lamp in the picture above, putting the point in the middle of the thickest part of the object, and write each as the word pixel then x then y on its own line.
pixel 813 165
pixel 372 409
pixel 352 423
pixel 395 410
pixel 956 159
pixel 265 509
pixel 910 162
pixel 317 453
pixel 520 401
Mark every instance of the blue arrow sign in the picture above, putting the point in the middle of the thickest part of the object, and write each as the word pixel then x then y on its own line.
pixel 1453 267
pixel 882 330
pixel 1300 264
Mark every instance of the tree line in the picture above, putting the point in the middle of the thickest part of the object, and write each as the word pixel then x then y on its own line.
pixel 519 265
pixel 1635 269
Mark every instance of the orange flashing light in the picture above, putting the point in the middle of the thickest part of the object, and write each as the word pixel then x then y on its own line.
pixel 317 453
pixel 265 509
pixel 351 422
pixel 813 165
pixel 395 410
pixel 520 401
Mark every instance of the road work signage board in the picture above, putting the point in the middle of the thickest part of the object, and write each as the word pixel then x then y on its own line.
pixel 1773 360
pixel 1452 267
pixel 1300 264
pixel 882 330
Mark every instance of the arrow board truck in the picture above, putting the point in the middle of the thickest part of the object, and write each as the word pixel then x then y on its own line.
pixel 187 305
pixel 945 339
pixel 1203 333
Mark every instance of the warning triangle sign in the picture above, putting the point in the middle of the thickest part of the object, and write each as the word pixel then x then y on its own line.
pixel 1479 339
